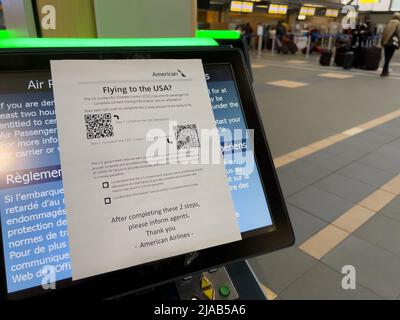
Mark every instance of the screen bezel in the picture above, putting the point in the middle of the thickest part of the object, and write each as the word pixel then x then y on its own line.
pixel 255 242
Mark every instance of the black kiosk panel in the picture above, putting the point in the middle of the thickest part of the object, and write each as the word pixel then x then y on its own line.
pixel 32 211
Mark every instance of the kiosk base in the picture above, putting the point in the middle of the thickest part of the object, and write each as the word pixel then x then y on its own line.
pixel 215 284
pixel 234 281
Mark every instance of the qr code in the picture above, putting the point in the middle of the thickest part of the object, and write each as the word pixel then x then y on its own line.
pixel 98 126
pixel 187 136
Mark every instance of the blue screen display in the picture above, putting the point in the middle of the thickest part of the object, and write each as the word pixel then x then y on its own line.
pixel 33 217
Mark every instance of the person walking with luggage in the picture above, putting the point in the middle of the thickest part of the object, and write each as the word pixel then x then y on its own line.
pixel 280 32
pixel 390 41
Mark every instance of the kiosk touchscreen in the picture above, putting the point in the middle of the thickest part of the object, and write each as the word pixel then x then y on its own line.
pixel 35 241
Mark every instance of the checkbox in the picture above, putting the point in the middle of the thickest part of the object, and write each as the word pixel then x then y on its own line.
pixel 106 185
pixel 107 200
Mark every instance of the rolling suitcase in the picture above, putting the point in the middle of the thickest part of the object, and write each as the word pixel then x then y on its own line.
pixel 370 58
pixel 325 59
pixel 340 53
pixel 285 48
pixel 348 60
pixel 357 57
pixel 292 47
pixel 269 44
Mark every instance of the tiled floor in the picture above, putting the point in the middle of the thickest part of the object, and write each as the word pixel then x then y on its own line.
pixel 287 84
pixel 335 75
pixel 296 118
pixel 342 192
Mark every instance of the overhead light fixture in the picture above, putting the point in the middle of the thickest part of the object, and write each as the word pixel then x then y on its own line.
pixel 307 11
pixel 242 6
pixel 236 6
pixel 332 13
pixel 262 6
pixel 247 6
pixel 315 5
pixel 277 9
pixel 368 1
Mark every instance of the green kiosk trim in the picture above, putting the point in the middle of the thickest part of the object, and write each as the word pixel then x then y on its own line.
pixel 21 43
pixel 8 34
pixel 218 34
pixel 9 40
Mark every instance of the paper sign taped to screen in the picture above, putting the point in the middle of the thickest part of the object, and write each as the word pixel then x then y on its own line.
pixel 125 127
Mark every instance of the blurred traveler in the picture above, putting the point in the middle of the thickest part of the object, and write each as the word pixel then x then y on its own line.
pixel 248 32
pixel 280 30
pixel 314 34
pixel 366 28
pixel 390 41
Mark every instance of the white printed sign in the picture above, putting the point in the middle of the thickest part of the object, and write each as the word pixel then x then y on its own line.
pixel 123 209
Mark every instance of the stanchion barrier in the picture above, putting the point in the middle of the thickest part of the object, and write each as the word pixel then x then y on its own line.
pixel 330 42
pixel 308 46
pixel 322 40
pixel 259 46
pixel 273 44
pixel 296 39
pixel 379 39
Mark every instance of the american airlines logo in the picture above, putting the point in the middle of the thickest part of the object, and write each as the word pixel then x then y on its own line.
pixel 169 74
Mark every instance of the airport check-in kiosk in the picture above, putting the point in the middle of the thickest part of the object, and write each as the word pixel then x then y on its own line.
pixel 263 218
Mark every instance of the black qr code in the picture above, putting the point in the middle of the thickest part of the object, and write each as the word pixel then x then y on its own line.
pixel 98 126
pixel 187 136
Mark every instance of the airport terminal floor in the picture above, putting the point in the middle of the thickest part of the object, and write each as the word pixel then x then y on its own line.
pixel 335 138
